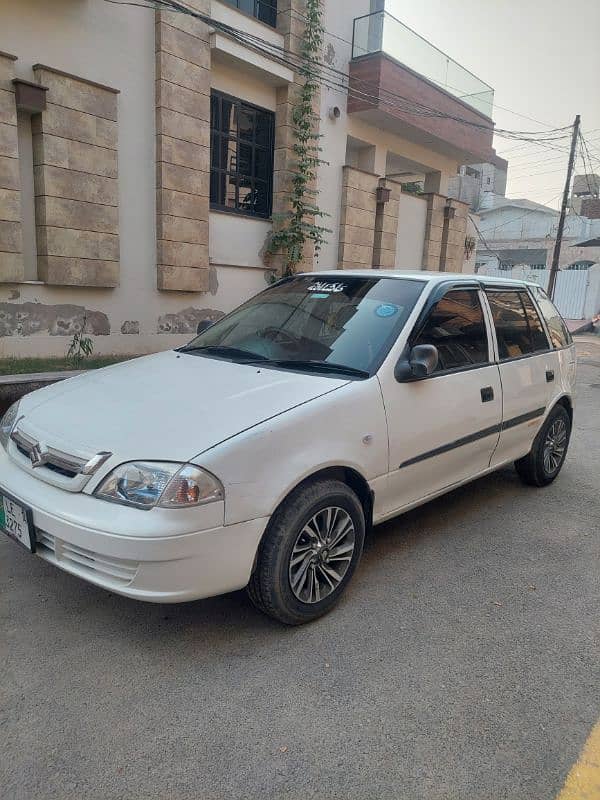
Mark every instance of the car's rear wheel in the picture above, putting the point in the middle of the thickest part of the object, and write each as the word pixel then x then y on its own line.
pixel 545 459
pixel 309 552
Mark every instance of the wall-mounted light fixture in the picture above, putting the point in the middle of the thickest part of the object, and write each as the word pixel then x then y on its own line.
pixel 383 194
pixel 449 212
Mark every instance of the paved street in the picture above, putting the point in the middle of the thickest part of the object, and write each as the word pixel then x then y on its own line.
pixel 463 663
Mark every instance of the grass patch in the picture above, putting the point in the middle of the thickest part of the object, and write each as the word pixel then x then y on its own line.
pixel 25 366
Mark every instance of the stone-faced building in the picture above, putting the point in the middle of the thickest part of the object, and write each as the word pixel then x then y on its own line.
pixel 144 153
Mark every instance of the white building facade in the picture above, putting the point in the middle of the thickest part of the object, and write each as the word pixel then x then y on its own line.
pixel 144 153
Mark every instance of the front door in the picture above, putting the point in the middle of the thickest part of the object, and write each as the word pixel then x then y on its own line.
pixel 443 429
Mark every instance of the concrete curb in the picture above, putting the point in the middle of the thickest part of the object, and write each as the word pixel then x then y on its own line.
pixel 14 387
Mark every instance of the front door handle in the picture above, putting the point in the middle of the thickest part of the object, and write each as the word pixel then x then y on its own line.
pixel 487 394
pixel 549 375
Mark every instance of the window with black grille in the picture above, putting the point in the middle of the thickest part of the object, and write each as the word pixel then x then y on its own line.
pixel 264 10
pixel 241 156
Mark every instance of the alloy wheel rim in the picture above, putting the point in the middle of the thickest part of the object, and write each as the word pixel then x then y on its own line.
pixel 555 446
pixel 322 554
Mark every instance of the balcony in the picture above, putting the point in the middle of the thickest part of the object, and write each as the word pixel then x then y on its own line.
pixel 401 81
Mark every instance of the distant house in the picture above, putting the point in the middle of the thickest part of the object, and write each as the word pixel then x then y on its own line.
pixel 519 232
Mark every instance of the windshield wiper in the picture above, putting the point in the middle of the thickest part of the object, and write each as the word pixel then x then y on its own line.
pixel 225 351
pixel 318 366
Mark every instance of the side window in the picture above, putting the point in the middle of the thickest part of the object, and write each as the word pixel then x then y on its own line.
pixel 519 329
pixel 537 334
pixel 559 333
pixel 456 327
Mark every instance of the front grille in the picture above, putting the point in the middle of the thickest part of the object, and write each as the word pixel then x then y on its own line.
pixel 62 469
pixel 67 473
pixel 87 563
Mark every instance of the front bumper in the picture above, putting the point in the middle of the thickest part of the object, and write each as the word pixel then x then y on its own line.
pixel 156 567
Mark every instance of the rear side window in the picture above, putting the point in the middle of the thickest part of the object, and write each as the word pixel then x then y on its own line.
pixel 456 327
pixel 519 329
pixel 559 333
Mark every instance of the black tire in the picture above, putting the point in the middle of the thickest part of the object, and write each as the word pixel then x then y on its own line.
pixel 270 588
pixel 534 469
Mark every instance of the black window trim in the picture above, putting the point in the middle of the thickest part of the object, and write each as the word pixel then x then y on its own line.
pixel 272 5
pixel 518 289
pixel 437 294
pixel 222 208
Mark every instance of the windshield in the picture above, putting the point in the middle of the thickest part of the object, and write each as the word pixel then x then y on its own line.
pixel 315 323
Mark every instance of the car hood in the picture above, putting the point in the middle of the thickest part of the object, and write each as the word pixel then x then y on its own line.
pixel 169 406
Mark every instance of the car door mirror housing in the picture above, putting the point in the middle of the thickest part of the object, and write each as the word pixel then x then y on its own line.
pixel 421 361
pixel 203 325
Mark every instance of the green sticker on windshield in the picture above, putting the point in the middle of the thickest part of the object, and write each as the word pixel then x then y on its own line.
pixel 320 296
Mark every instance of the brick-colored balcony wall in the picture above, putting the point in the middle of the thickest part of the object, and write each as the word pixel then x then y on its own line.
pixel 75 173
pixel 384 80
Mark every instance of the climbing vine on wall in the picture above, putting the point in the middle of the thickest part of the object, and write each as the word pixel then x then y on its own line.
pixel 298 225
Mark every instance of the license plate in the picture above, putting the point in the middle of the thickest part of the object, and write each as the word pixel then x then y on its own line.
pixel 15 520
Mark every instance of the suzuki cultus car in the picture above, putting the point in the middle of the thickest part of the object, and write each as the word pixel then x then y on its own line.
pixel 261 453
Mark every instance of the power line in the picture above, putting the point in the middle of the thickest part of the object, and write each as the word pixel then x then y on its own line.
pixel 283 56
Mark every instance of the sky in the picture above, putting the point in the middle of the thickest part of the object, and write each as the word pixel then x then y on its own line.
pixel 542 57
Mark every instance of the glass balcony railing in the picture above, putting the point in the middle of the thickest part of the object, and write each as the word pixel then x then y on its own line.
pixel 381 32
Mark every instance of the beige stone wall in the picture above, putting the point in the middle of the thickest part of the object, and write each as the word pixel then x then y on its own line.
pixel 434 229
pixel 444 248
pixel 456 231
pixel 11 236
pixel 182 150
pixel 386 227
pixel 357 222
pixel 75 175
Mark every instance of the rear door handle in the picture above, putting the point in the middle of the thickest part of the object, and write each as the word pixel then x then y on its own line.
pixel 549 375
pixel 487 394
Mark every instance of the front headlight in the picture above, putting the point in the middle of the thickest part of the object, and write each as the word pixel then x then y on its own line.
pixel 145 484
pixel 7 423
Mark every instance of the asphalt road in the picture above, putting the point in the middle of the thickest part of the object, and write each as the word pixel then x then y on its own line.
pixel 463 664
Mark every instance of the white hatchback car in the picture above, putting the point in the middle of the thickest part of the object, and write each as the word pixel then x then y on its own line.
pixel 260 454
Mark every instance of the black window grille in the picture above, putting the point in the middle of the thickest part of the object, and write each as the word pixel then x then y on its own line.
pixel 241 156
pixel 264 10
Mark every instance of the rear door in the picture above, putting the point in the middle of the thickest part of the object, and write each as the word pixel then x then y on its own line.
pixel 528 368
pixel 443 429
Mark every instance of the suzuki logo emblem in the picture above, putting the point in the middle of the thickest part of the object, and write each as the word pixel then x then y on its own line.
pixel 38 455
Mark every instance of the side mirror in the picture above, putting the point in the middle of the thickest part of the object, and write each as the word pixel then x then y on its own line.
pixel 421 362
pixel 203 325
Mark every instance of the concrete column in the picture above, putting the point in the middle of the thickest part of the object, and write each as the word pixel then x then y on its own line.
pixel 386 226
pixel 182 150
pixel 357 223
pixel 11 235
pixel 436 182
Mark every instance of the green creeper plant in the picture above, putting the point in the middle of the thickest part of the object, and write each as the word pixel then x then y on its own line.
pixel 298 225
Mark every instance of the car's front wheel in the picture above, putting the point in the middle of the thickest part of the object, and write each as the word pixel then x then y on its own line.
pixel 309 553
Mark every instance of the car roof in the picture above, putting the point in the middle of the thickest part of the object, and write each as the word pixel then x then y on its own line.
pixel 422 275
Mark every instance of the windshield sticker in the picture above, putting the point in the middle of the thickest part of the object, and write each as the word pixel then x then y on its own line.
pixel 386 310
pixel 321 295
pixel 322 286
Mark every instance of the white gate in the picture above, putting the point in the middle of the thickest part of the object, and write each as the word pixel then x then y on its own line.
pixel 569 294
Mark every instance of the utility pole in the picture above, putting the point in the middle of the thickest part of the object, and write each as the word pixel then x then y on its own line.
pixel 563 210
